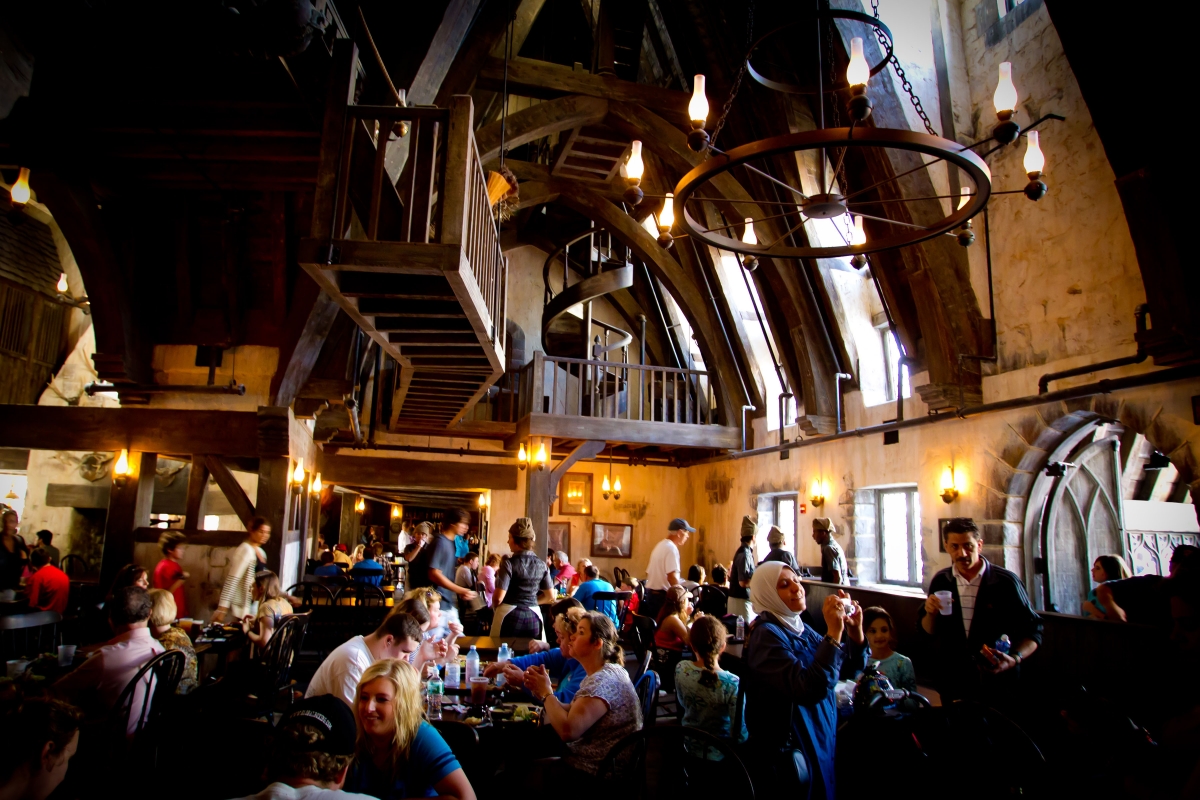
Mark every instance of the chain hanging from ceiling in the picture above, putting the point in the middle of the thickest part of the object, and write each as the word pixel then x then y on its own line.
pixel 894 218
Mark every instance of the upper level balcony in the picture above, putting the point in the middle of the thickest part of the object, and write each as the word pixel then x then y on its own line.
pixel 415 262
pixel 575 399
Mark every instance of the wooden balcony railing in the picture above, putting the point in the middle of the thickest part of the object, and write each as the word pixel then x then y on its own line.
pixel 576 387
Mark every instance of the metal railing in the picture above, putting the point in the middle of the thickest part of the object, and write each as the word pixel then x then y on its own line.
pixel 577 387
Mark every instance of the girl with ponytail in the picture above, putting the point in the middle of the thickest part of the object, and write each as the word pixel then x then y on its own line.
pixel 708 694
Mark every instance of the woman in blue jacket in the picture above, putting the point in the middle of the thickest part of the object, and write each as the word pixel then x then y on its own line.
pixel 788 660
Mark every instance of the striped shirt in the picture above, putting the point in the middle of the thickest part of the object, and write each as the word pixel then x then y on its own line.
pixel 968 590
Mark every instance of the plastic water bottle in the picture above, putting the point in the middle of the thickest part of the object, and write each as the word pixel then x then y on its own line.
pixel 741 629
pixel 1003 644
pixel 503 655
pixel 452 674
pixel 472 663
pixel 434 691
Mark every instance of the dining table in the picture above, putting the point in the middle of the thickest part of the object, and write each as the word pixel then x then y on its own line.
pixel 488 647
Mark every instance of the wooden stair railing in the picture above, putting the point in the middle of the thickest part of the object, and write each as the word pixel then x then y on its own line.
pixel 417 264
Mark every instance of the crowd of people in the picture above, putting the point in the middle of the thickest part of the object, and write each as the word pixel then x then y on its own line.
pixel 360 730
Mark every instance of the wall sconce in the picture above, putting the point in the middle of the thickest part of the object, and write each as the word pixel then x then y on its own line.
pixel 818 492
pixel 298 476
pixel 482 502
pixel 522 457
pixel 541 458
pixel 64 295
pixel 395 512
pixel 360 505
pixel 954 483
pixel 316 485
pixel 120 470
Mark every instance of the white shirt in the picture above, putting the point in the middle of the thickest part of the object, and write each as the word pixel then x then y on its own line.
pixel 339 673
pixel 968 590
pixel 282 791
pixel 664 559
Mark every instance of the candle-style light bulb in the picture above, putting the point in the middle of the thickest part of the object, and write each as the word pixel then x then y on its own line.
pixel 522 456
pixel 666 217
pixel 19 193
pixel 316 484
pixel 748 235
pixel 1035 159
pixel 947 479
pixel 858 72
pixel 1005 97
pixel 964 197
pixel 121 468
pixel 482 501
pixel 395 512
pixel 617 485
pixel 634 166
pixel 61 287
pixel 698 107
pixel 298 472
pixel 858 235
pixel 541 457
pixel 605 486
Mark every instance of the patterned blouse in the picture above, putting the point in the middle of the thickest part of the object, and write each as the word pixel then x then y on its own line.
pixel 176 639
pixel 624 716
pixel 709 708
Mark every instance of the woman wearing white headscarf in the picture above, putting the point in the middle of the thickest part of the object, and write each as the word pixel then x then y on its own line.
pixel 788 660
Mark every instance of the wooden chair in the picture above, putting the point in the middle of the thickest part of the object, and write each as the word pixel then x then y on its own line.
pixel 312 594
pixel 647 692
pixel 363 594
pixel 134 720
pixel 29 635
pixel 75 566
pixel 671 761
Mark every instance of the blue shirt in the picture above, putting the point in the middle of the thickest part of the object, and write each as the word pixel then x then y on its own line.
pixel 461 546
pixel 606 607
pixel 368 571
pixel 327 571
pixel 567 672
pixel 429 762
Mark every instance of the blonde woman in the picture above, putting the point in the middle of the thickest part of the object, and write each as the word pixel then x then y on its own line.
pixel 524 579
pixel 162 614
pixel 273 606
pixel 399 754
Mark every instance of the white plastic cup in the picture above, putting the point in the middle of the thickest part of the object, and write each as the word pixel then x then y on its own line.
pixel 14 667
pixel 946 599
pixel 66 654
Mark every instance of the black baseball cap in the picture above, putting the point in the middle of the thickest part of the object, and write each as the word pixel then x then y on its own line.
pixel 329 715
pixel 679 524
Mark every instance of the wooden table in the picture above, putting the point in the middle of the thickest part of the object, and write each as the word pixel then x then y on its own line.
pixel 488 647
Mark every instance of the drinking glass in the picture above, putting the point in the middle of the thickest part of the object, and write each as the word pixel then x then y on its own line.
pixel 479 691
pixel 947 600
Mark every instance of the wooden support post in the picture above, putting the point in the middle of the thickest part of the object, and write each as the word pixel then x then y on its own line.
pixel 537 499
pixel 196 488
pixel 274 499
pixel 348 530
pixel 128 509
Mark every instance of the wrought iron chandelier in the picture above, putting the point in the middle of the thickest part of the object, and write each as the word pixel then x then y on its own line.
pixel 837 198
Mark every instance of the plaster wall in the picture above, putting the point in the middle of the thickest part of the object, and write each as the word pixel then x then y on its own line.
pixel 251 365
pixel 1065 273
pixel 525 292
pixel 998 453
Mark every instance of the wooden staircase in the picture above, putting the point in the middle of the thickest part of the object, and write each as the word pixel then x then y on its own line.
pixel 417 265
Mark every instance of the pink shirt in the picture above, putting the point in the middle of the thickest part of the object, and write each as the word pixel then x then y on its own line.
pixel 487 576
pixel 96 684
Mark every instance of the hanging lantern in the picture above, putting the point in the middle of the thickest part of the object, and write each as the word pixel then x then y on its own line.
pixel 634 167
pixel 666 219
pixel 1034 163
pixel 1005 100
pixel 858 72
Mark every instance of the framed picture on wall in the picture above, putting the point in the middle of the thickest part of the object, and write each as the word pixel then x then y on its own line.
pixel 558 537
pixel 575 494
pixel 611 540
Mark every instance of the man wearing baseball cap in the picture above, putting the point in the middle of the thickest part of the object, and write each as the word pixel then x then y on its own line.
pixel 833 559
pixel 663 571
pixel 311 751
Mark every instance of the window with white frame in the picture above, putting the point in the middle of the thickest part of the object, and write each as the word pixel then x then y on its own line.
pixel 898 523
pixel 776 509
